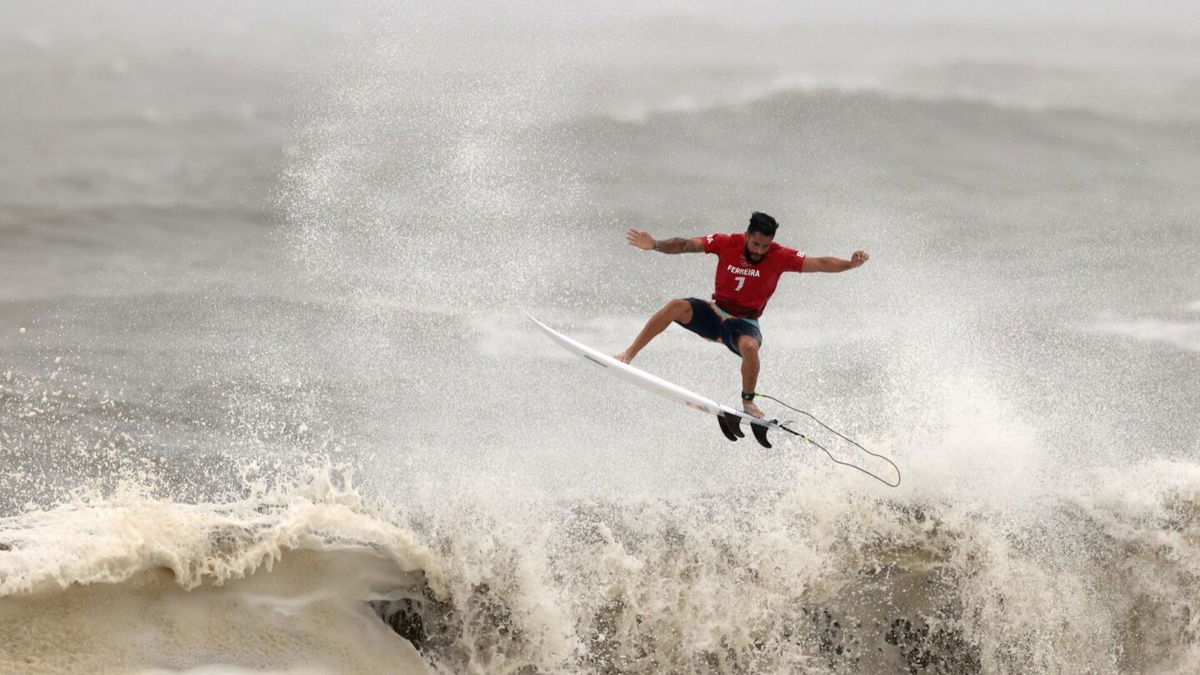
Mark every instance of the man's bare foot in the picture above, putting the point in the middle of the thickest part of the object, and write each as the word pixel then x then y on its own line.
pixel 751 409
pixel 624 357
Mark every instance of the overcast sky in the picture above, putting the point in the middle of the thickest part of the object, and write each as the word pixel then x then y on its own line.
pixel 1177 13
pixel 1181 16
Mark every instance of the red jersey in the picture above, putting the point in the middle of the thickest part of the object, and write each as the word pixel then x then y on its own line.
pixel 743 289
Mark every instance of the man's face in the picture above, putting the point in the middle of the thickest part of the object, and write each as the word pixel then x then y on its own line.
pixel 757 245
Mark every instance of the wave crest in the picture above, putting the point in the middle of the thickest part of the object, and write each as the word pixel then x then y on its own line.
pixel 815 579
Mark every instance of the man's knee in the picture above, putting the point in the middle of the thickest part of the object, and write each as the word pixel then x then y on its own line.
pixel 747 345
pixel 681 310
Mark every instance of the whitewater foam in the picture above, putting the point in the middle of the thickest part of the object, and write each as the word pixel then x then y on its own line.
pixel 820 577
pixel 139 583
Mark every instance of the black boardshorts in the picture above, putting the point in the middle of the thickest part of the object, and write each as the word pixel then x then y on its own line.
pixel 712 326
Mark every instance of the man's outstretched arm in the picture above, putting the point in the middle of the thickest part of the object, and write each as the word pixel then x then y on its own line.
pixel 644 241
pixel 835 264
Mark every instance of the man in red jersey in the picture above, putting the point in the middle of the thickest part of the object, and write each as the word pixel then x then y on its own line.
pixel 748 269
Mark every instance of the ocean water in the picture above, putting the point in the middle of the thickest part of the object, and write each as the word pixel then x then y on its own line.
pixel 269 401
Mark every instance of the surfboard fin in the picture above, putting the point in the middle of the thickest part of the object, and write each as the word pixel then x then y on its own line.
pixel 760 435
pixel 730 426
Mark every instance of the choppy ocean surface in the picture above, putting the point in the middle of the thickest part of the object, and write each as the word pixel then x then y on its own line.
pixel 269 401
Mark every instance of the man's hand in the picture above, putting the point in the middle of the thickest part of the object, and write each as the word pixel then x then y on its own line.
pixel 640 239
pixel 644 241
pixel 859 258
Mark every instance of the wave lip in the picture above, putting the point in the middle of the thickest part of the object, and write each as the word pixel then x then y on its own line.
pixel 816 579
pixel 143 584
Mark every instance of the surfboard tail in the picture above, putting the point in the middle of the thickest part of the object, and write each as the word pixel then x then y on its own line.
pixel 760 435
pixel 731 426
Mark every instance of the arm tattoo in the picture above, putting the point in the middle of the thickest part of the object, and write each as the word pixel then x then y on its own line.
pixel 676 245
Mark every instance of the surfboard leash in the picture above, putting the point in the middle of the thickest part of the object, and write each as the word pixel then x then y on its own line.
pixel 839 435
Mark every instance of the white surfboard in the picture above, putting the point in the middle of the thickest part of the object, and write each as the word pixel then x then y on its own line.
pixel 727 417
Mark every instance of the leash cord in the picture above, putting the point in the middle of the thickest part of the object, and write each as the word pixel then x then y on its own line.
pixel 839 435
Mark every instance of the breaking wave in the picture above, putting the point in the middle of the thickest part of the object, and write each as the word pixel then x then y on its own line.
pixel 314 576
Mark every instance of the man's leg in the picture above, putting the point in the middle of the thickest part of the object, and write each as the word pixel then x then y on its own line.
pixel 748 346
pixel 675 310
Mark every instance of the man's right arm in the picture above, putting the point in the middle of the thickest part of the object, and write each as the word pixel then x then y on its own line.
pixel 644 241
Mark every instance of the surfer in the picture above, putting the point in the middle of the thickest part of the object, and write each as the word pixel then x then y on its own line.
pixel 748 269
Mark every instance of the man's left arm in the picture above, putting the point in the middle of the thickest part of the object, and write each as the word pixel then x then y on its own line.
pixel 830 264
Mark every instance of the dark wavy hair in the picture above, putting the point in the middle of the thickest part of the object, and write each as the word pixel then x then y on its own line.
pixel 761 222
